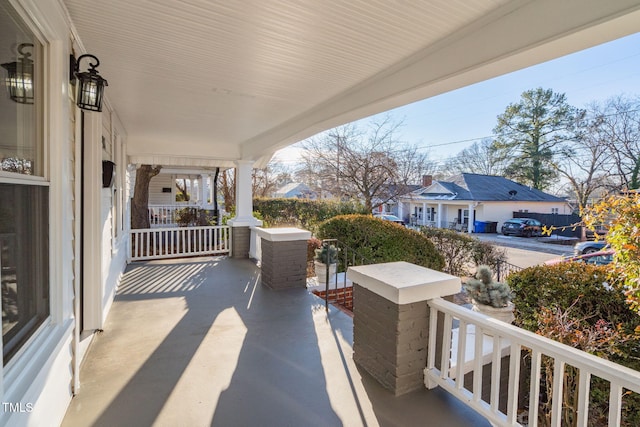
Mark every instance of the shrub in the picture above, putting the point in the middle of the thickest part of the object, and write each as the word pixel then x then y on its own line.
pixel 381 241
pixel 461 252
pixel 560 285
pixel 312 244
pixel 574 304
pixel 484 290
pixel 303 213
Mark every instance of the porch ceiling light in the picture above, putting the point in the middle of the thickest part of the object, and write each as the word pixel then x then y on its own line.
pixel 90 85
pixel 20 76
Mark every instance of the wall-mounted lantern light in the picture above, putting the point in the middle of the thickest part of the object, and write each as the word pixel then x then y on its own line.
pixel 90 84
pixel 20 76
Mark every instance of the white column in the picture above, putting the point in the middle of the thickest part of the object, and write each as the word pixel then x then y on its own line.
pixel 203 190
pixel 400 209
pixel 244 200
pixel 424 214
pixel 438 216
pixel 470 225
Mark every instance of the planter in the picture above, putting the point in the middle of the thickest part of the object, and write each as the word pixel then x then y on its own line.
pixel 504 314
pixel 321 271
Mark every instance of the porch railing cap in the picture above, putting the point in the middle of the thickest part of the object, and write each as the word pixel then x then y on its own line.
pixel 404 283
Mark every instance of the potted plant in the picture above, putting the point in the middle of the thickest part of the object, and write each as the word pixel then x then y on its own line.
pixel 326 255
pixel 489 297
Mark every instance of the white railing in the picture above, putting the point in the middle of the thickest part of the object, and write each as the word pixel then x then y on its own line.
pixel 165 215
pixel 159 243
pixel 478 334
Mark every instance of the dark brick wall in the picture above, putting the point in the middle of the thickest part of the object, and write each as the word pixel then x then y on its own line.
pixel 390 340
pixel 240 242
pixel 284 264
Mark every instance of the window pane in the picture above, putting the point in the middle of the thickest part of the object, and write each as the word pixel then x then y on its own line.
pixel 20 96
pixel 24 262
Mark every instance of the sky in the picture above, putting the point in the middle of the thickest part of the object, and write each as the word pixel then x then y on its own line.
pixel 446 124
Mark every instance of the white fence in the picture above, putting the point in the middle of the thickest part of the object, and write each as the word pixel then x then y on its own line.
pixel 479 335
pixel 159 243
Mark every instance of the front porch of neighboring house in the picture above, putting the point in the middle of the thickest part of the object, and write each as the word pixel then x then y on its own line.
pixel 166 199
pixel 457 216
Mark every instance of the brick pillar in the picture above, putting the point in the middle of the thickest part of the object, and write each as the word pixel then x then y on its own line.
pixel 283 261
pixel 240 241
pixel 391 320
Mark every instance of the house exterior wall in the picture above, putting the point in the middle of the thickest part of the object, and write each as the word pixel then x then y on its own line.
pixel 38 382
pixel 484 211
pixel 502 211
pixel 157 183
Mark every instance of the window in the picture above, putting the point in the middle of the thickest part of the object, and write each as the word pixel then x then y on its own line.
pixel 555 211
pixel 24 193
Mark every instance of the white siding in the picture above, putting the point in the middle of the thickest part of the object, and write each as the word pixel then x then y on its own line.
pixel 156 196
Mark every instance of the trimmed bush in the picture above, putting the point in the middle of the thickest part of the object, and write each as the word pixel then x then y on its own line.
pixel 381 241
pixel 573 303
pixel 303 213
pixel 560 285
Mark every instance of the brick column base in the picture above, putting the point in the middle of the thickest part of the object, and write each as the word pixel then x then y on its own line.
pixel 240 241
pixel 390 340
pixel 284 264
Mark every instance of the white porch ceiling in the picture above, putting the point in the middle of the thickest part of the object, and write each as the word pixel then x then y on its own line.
pixel 203 83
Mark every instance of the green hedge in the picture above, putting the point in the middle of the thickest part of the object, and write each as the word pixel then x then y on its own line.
pixel 560 285
pixel 574 304
pixel 381 241
pixel 303 213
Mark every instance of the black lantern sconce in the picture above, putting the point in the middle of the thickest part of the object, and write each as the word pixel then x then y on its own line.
pixel 90 84
pixel 20 76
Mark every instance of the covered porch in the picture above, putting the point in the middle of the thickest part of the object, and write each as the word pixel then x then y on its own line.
pixel 203 342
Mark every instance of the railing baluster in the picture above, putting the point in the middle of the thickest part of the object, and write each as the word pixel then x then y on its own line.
pixel 433 332
pixel 615 405
pixel 462 350
pixel 534 394
pixel 556 403
pixel 514 380
pixel 495 373
pixel 477 364
pixel 584 386
pixel 446 346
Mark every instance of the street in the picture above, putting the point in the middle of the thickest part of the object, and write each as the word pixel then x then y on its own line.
pixel 526 252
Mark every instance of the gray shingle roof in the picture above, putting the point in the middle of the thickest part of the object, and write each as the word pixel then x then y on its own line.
pixel 485 188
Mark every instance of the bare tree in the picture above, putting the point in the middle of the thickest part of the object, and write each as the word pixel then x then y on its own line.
pixel 584 164
pixel 371 164
pixel 268 179
pixel 481 158
pixel 228 188
pixel 617 124
pixel 182 190
pixel 140 201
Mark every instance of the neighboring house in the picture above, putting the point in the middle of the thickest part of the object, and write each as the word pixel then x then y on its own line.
pixel 295 190
pixel 459 201
pixel 391 206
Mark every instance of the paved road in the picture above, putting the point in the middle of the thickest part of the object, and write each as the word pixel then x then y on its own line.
pixel 525 252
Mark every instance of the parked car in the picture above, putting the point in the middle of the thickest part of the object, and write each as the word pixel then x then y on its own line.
pixel 589 247
pixel 597 258
pixel 391 218
pixel 526 227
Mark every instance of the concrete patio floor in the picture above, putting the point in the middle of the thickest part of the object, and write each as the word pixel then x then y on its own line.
pixel 201 342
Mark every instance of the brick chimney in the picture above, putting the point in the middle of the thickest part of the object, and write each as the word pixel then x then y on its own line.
pixel 427 180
